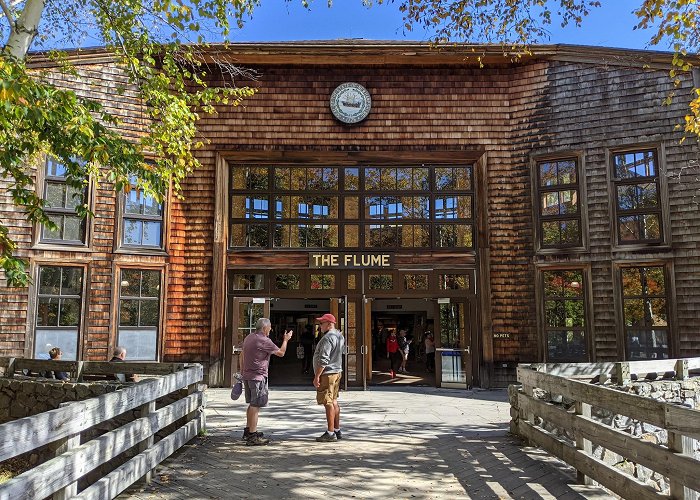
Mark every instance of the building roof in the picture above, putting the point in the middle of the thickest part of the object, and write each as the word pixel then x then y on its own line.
pixel 389 52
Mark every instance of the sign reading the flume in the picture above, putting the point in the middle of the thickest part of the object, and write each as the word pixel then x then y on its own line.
pixel 350 260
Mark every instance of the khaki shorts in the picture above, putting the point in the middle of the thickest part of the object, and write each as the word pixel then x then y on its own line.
pixel 256 392
pixel 327 392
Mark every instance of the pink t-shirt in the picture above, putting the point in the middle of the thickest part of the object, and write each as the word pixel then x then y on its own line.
pixel 257 349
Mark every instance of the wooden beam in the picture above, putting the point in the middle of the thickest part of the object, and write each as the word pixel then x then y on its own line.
pixel 26 434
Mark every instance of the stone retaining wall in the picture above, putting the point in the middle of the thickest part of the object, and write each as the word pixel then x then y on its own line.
pixel 685 393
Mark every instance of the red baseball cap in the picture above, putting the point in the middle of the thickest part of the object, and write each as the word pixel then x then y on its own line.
pixel 328 317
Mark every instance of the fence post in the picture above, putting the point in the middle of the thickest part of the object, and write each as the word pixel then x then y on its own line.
pixel 681 444
pixel 622 372
pixel 61 446
pixel 144 410
pixel 681 369
pixel 583 409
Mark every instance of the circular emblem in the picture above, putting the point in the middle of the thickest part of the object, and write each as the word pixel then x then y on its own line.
pixel 350 102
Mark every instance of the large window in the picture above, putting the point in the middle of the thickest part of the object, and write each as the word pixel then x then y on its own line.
pixel 645 310
pixel 58 310
pixel 139 313
pixel 637 197
pixel 62 200
pixel 559 203
pixel 564 315
pixel 372 207
pixel 143 221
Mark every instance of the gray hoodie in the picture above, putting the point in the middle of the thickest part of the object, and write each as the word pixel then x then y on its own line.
pixel 329 352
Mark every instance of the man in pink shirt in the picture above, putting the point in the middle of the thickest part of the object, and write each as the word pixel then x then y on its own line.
pixel 255 359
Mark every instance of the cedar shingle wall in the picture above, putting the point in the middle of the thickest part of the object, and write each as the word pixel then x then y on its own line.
pixel 592 109
pixel 101 83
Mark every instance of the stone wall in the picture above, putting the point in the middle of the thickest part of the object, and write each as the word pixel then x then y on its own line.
pixel 25 396
pixel 684 393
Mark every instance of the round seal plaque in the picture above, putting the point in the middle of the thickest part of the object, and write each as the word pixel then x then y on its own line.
pixel 350 102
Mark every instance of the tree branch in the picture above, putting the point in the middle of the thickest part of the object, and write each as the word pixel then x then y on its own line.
pixel 8 14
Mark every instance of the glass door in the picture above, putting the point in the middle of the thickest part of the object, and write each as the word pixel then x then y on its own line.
pixel 453 340
pixel 346 310
pixel 244 313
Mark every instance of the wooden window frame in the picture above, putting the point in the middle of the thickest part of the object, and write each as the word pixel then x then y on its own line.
pixel 538 190
pixel 363 222
pixel 33 305
pixel 116 304
pixel 122 248
pixel 662 190
pixel 540 297
pixel 50 244
pixel 671 300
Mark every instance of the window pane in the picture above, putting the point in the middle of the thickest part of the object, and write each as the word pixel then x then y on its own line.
pixel 352 179
pixel 381 282
pixel 415 281
pixel 238 178
pixel 149 313
pixel 637 196
pixel 570 233
pixel 287 281
pixel 634 164
pixel 72 228
pixel 151 234
pixel 282 178
pixel 565 345
pixel 322 282
pixel 256 178
pixel 65 338
pixel 55 194
pixel 54 168
pixel 352 236
pixel 548 174
pixel 132 202
pixel 139 343
pixel 47 311
pixel 651 227
pixel 69 312
pixel 71 281
pixel 248 282
pixel 352 207
pixel 654 281
pixel 257 235
pixel 53 234
pixel 372 178
pixel 647 344
pixel 444 178
pixel 150 284
pixel 151 207
pixel 566 172
pixel 421 179
pixel 49 280
pixel 130 283
pixel 454 282
pixel 132 232
pixel 129 312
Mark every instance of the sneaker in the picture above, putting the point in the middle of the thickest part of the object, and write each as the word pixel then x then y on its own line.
pixel 247 434
pixel 257 439
pixel 338 435
pixel 327 437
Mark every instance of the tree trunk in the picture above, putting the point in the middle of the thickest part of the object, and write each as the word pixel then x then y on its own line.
pixel 24 29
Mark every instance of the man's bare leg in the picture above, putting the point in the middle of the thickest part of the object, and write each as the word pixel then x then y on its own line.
pixel 252 418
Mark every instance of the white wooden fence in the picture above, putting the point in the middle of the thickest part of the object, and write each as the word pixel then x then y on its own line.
pixel 59 476
pixel 674 461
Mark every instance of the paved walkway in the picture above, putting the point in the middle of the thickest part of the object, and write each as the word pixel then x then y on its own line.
pixel 400 442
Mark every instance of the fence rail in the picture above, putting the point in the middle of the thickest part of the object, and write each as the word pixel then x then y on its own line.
pixel 80 369
pixel 674 461
pixel 62 428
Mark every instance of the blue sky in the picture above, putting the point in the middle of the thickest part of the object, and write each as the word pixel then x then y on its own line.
pixel 275 20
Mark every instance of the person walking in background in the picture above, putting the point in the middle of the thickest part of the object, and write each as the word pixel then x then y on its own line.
pixel 393 353
pixel 307 342
pixel 255 361
pixel 404 347
pixel 429 352
pixel 119 356
pixel 328 368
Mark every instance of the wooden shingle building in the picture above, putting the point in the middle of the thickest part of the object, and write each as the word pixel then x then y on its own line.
pixel 533 209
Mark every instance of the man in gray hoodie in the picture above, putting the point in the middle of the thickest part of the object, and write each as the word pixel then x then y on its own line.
pixel 328 368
